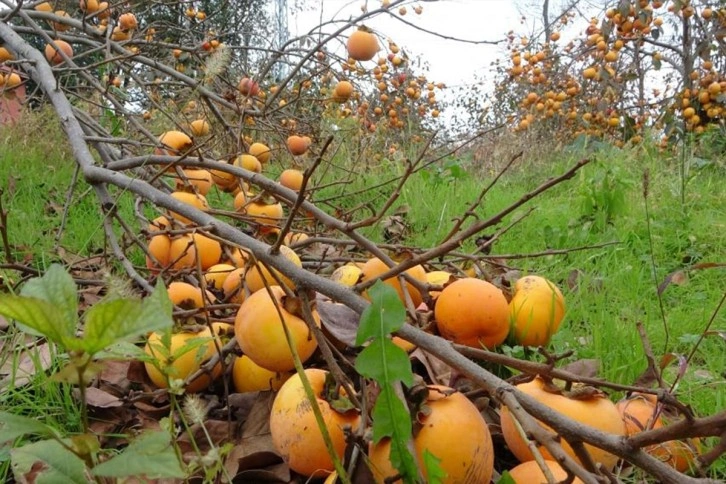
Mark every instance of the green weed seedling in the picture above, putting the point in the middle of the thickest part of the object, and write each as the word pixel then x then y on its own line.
pixel 47 306
pixel 389 366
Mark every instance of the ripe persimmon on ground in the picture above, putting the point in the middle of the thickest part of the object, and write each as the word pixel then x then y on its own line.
pixel 566 245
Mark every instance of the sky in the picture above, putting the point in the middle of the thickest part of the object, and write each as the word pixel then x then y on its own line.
pixel 450 61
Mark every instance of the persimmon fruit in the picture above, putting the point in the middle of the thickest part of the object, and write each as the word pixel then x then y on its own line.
pixel 297 145
pixel 639 412
pixel 374 267
pixel 594 410
pixel 292 179
pixel 536 311
pixel 52 52
pixel 530 472
pixel 362 45
pixel 295 432
pixel 453 431
pixel 251 377
pixel 260 151
pixel 472 312
pixel 170 363
pixel 260 334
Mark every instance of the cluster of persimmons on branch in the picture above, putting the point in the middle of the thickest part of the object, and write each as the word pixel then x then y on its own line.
pixel 641 65
pixel 185 129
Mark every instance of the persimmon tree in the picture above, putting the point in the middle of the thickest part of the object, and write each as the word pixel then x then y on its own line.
pixel 170 120
pixel 630 68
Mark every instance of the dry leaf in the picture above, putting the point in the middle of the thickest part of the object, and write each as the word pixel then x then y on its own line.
pixel 35 359
pixel 338 320
pixel 588 368
pixel 439 373
pixel 95 397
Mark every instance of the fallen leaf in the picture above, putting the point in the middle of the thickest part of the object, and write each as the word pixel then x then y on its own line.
pixel 439 373
pixel 588 368
pixel 338 320
pixel 35 359
pixel 115 372
pixel 274 473
pixel 680 276
pixel 255 449
pixel 95 397
pixel 216 430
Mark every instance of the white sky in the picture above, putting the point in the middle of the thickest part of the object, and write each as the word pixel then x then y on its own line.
pixel 449 61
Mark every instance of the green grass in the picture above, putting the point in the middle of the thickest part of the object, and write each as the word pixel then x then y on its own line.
pixel 604 202
pixel 36 169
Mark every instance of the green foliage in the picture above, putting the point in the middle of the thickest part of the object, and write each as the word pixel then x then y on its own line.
pixel 60 464
pixel 506 478
pixel 14 426
pixel 150 455
pixel 48 306
pixel 389 366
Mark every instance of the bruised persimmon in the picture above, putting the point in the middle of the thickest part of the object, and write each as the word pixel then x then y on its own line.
pixel 185 355
pixel 593 409
pixel 453 430
pixel 259 330
pixel 251 377
pixel 294 429
pixel 530 472
pixel 186 296
pixel 374 267
pixel 248 87
pixel 472 312
pixel 362 45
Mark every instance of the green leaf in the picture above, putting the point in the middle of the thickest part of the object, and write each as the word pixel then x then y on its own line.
pixel 150 455
pixel 39 317
pixel 111 322
pixel 383 316
pixel 13 426
pixel 391 419
pixel 387 364
pixel 432 464
pixel 47 462
pixel 383 361
pixel 506 478
pixel 123 351
pixel 56 287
